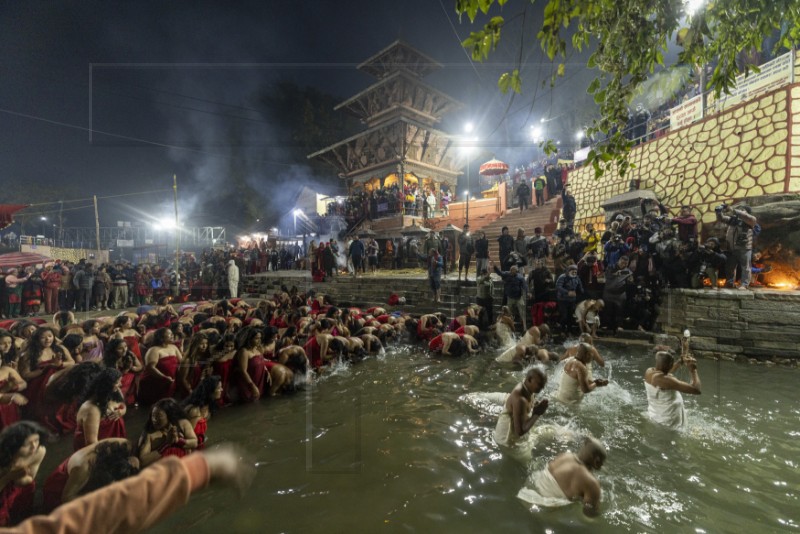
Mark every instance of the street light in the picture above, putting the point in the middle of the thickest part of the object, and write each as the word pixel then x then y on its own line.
pixel 466 198
pixel 44 220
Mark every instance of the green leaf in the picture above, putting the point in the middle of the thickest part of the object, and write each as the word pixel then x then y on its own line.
pixel 560 71
pixel 504 82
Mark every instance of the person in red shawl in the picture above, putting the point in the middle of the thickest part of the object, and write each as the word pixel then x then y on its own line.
pixel 11 383
pixel 167 432
pixel 102 410
pixel 42 364
pixel 91 468
pixel 252 371
pixel 201 404
pixel 21 455
pixel 224 358
pixel 161 368
pixel 118 356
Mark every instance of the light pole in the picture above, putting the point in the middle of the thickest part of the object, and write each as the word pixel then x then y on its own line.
pixel 44 220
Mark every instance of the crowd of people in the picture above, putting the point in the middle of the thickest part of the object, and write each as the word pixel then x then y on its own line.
pixel 186 364
pixel 392 200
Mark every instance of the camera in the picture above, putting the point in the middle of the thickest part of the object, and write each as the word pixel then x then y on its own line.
pixel 721 208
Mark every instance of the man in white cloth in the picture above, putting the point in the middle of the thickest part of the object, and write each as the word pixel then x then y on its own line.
pixel 569 478
pixel 575 381
pixel 233 279
pixel 520 412
pixel 664 399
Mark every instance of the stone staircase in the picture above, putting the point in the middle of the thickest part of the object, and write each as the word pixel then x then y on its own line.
pixel 545 217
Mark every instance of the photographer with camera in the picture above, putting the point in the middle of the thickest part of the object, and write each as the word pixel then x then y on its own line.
pixel 739 237
pixel 705 263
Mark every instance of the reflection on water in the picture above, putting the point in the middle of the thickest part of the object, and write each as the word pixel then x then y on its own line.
pixel 394 444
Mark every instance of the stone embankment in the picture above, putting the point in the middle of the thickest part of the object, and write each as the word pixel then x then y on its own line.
pixel 758 326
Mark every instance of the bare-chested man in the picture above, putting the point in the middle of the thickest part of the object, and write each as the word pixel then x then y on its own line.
pixel 520 412
pixel 664 400
pixel 569 477
pixel 575 381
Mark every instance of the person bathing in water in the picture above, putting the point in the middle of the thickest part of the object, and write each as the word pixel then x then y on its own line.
pixel 520 412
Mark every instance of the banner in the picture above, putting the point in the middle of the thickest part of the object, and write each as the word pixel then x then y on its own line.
pixel 774 74
pixel 686 113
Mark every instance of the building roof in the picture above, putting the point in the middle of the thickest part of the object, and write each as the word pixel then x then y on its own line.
pixel 396 56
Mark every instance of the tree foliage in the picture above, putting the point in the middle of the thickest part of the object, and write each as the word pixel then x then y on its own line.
pixel 629 39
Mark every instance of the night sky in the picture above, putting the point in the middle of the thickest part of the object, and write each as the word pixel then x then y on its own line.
pixel 171 81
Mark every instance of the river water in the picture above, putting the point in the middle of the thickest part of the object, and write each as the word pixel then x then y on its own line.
pixel 391 445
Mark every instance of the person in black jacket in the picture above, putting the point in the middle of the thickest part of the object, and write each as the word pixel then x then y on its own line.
pixel 506 244
pixel 524 194
pixel 515 289
pixel 570 208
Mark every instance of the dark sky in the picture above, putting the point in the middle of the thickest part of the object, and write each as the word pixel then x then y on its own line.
pixel 170 78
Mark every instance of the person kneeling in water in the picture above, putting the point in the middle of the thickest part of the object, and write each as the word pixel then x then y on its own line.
pixel 664 399
pixel 520 412
pixel 569 478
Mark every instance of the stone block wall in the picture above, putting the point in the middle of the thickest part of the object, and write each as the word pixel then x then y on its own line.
pixel 732 323
pixel 752 149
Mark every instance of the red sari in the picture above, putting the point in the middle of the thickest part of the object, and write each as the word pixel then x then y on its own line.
pixel 9 413
pixel 312 349
pixel 54 487
pixel 133 346
pixel 109 428
pixel 223 370
pixel 257 372
pixel 16 503
pixel 200 429
pixel 153 388
pixel 128 387
pixel 37 409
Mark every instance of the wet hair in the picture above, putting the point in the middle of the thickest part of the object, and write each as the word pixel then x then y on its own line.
pixel 592 449
pixel 35 348
pixel 120 321
pixel 297 363
pixel 11 355
pixel 72 341
pixel 457 347
pixel 331 311
pixel 227 338
pixel 102 389
pixel 73 383
pixel 13 437
pixel 203 394
pixel 19 327
pixel 337 346
pixel 192 353
pixel 200 318
pixel 245 337
pixel 171 408
pixel 110 356
pixel 268 334
pixel 160 336
pixel 664 360
pixel 88 325
pixel 112 463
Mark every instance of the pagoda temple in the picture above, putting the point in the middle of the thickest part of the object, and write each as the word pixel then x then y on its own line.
pixel 400 113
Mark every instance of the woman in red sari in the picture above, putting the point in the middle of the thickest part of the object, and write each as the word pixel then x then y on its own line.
pixel 161 368
pixel 21 454
pixel 253 375
pixel 123 325
pixel 195 361
pixel 224 358
pixel 201 404
pixel 119 357
pixel 11 383
pixel 93 467
pixel 102 410
pixel 42 364
pixel 167 432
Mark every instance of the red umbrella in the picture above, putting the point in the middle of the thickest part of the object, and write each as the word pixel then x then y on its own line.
pixel 21 259
pixel 493 167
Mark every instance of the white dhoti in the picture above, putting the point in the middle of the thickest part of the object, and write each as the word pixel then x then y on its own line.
pixel 665 406
pixel 543 490
pixel 507 356
pixel 569 392
pixel 504 431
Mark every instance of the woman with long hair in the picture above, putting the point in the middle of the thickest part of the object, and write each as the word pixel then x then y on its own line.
pixel 102 410
pixel 196 360
pixel 201 404
pixel 92 350
pixel 124 326
pixel 21 455
pixel 167 432
pixel 93 467
pixel 253 375
pixel 65 394
pixel 161 368
pixel 11 383
pixel 224 359
pixel 118 356
pixel 44 362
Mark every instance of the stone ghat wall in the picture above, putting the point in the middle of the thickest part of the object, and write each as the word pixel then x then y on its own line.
pixel 735 324
pixel 749 150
